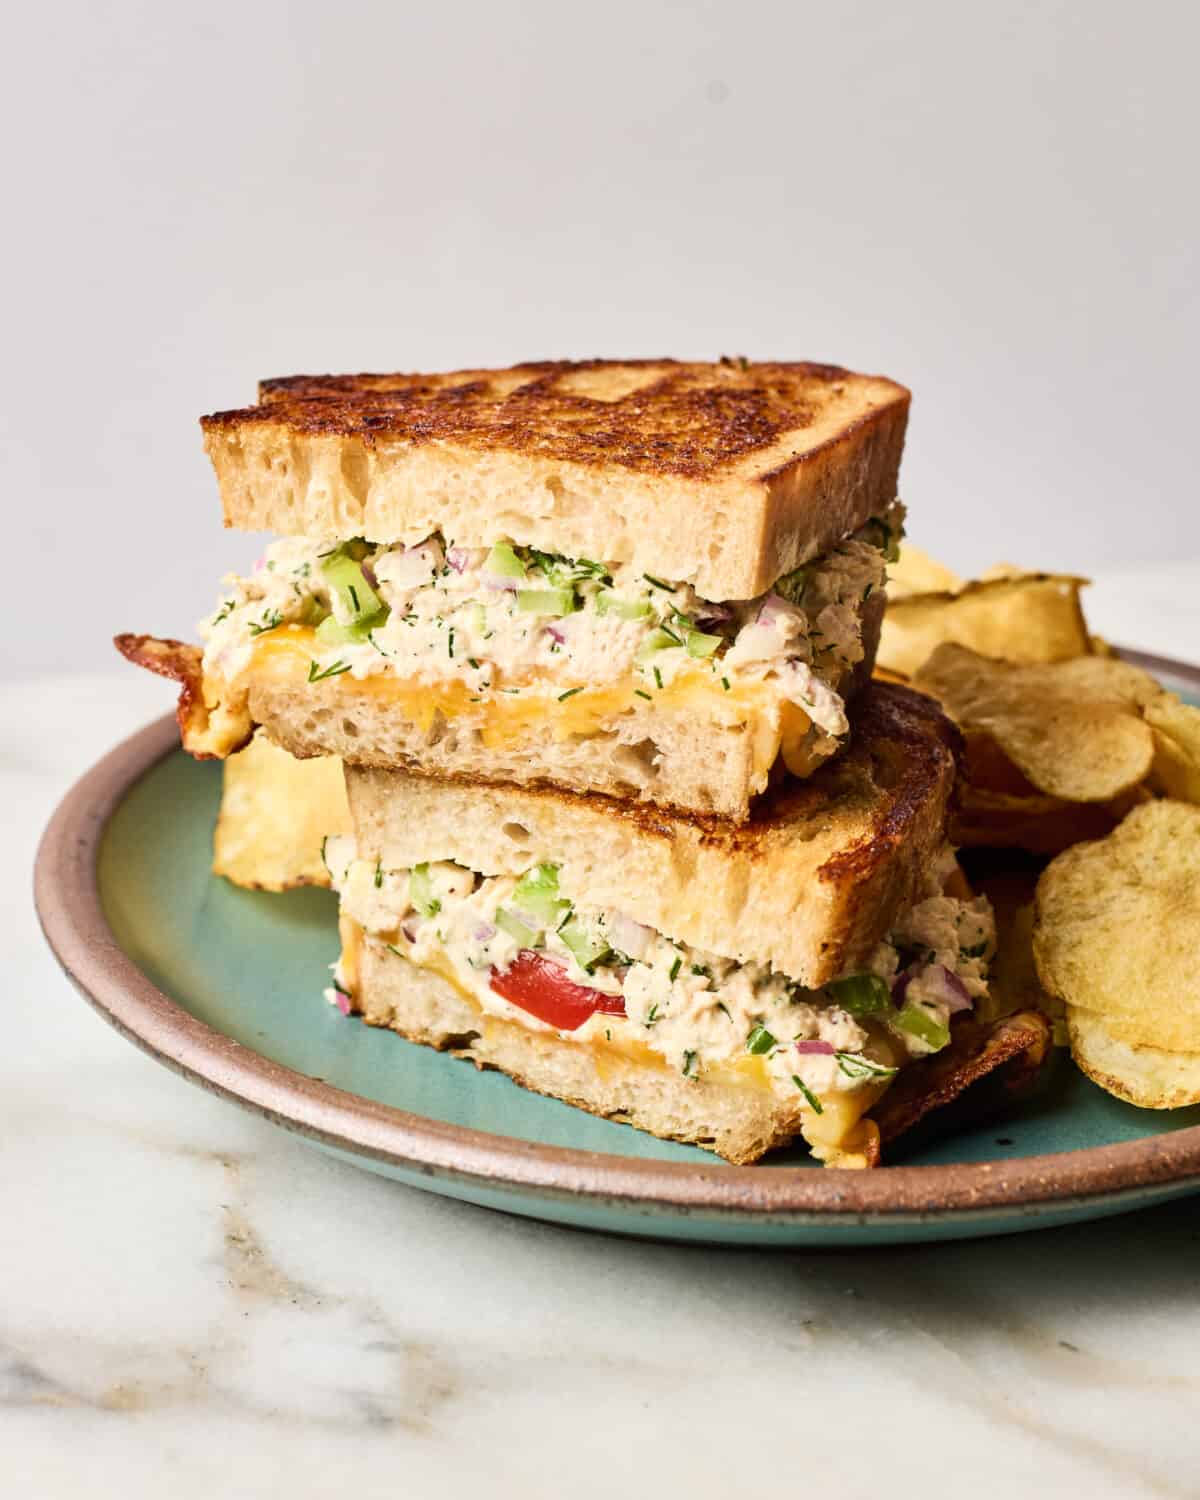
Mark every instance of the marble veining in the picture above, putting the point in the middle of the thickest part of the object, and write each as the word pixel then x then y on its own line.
pixel 193 1303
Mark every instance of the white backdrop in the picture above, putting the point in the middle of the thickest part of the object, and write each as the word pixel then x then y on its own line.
pixel 995 204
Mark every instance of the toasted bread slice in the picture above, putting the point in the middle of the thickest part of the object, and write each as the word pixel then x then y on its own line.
pixel 807 885
pixel 724 476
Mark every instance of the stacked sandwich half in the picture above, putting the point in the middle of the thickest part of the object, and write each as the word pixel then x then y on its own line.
pixel 594 643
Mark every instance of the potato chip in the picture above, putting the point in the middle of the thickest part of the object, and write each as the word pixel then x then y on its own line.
pixel 1148 1076
pixel 1074 729
pixel 275 813
pixel 915 572
pixel 1024 617
pixel 1034 822
pixel 1117 928
pixel 1013 983
pixel 1176 727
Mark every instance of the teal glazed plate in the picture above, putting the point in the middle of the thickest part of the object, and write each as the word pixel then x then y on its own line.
pixel 224 986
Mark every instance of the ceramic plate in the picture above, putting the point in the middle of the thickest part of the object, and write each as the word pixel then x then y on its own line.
pixel 224 986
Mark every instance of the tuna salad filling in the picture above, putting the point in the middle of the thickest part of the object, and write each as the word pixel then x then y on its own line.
pixel 510 619
pixel 523 951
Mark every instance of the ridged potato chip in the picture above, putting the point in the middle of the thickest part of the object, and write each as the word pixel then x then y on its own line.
pixel 1147 1076
pixel 984 819
pixel 275 813
pixel 915 572
pixel 1117 928
pixel 1023 617
pixel 1176 729
pixel 1074 729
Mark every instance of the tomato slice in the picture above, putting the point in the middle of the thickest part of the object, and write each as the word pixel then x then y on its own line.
pixel 540 986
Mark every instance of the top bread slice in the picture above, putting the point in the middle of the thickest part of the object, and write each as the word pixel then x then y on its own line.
pixel 809 885
pixel 722 475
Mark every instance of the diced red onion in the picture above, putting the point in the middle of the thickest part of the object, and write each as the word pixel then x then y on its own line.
pixel 410 567
pixel 630 937
pixel 944 984
pixel 342 1001
pixel 410 926
pixel 458 558
pixel 939 983
pixel 556 634
pixel 500 582
pixel 713 614
pixel 774 608
pixel 368 573
pixel 816 1048
pixel 485 932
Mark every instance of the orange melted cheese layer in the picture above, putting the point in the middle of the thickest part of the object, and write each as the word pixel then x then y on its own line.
pixel 283 657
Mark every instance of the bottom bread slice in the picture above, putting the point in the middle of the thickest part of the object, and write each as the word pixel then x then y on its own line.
pixel 738 1120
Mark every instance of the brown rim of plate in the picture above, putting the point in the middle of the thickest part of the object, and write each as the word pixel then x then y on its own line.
pixel 69 908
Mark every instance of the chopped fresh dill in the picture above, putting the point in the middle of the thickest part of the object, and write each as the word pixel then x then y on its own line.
pixel 855 1066
pixel 814 1102
pixel 335 670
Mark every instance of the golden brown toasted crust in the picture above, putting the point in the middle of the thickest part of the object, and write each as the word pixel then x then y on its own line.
pixel 723 475
pixel 692 420
pixel 1017 1044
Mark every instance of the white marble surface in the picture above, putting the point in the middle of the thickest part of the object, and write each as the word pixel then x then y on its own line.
pixel 193 1303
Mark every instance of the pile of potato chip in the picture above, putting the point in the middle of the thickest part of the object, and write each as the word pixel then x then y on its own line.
pixel 1071 752
pixel 1117 939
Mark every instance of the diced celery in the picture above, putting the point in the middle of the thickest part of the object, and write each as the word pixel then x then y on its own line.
pixel 546 601
pixel 518 929
pixel 861 994
pixel 585 949
pixel 421 893
pixel 333 634
pixel 345 577
pixel 537 893
pixel 699 644
pixel 504 562
pixel 609 603
pixel 919 1023
pixel 760 1040
pixel 656 641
